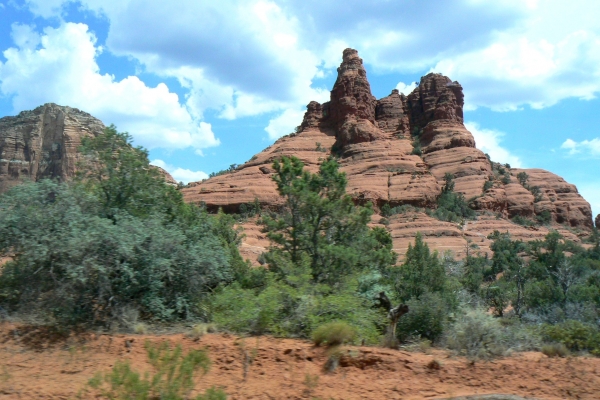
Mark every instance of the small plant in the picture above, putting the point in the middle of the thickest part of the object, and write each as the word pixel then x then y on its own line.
pixel 200 330
pixel 319 148
pixel 172 378
pixel 477 335
pixel 140 328
pixel 488 185
pixel 555 350
pixel 311 382
pixel 523 178
pixel 333 358
pixel 517 219
pixel 333 334
pixel 247 356
pixel 544 218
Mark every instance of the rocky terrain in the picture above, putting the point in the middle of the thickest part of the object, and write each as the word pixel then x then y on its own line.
pixel 396 151
pixel 36 363
pixel 44 143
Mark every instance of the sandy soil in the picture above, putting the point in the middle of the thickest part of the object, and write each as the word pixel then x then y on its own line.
pixel 36 364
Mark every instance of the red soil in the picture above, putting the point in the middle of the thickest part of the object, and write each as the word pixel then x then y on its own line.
pixel 35 364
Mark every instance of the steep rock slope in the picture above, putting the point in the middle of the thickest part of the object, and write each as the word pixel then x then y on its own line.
pixel 396 150
pixel 44 142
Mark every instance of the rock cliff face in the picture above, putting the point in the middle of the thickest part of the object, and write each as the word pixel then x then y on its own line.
pixel 396 150
pixel 43 143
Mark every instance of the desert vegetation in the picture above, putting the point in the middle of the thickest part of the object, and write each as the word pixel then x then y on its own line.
pixel 118 247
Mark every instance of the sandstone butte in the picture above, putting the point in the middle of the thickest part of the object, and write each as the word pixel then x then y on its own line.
pixel 374 142
pixel 44 143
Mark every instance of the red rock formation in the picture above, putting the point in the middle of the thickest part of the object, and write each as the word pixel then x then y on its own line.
pixel 167 176
pixel 352 106
pixel 375 141
pixel 597 221
pixel 43 143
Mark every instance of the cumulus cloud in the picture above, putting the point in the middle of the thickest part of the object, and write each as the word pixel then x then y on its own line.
pixel 488 141
pixel 406 88
pixel 180 174
pixel 554 56
pixel 60 66
pixel 261 56
pixel 284 123
pixel 585 146
pixel 591 192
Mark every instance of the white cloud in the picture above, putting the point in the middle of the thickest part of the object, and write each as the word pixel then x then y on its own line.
pixel 406 88
pixel 590 146
pixel 261 56
pixel 180 174
pixel 60 66
pixel 555 55
pixel 591 192
pixel 488 141
pixel 284 123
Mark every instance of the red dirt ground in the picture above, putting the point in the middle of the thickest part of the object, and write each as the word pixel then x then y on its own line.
pixel 35 364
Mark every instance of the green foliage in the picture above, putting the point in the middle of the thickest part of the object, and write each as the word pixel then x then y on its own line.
pixel 333 334
pixel 427 318
pixel 519 220
pixel 294 307
pixel 452 206
pixel 172 377
pixel 523 178
pixel 121 177
pixel 229 170
pixel 544 217
pixel 477 335
pixel 416 134
pixel 487 185
pixel 320 223
pixel 119 239
pixel 575 335
pixel 421 272
pixel 324 264
pixel 555 350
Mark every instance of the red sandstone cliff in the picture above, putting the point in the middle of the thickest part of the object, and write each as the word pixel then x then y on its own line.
pixel 44 143
pixel 374 139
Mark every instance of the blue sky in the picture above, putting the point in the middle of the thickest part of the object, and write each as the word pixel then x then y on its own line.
pixel 206 84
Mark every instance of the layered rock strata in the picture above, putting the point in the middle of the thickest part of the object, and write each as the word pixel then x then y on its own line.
pixel 44 143
pixel 397 150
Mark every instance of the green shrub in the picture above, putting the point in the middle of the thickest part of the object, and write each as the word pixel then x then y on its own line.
pixel 284 310
pixel 427 318
pixel 517 219
pixel 488 185
pixel 81 268
pixel 172 377
pixel 333 334
pixel 555 350
pixel 575 335
pixel 117 240
pixel 477 335
pixel 544 217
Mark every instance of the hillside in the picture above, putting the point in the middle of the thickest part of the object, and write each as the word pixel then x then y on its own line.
pixel 396 151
